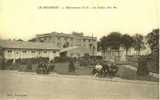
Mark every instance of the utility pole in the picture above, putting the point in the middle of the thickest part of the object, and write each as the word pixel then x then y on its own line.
pixel 92 46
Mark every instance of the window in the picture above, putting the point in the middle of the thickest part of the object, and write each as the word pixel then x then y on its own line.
pixel 59 44
pixel 54 51
pixel 24 51
pixel 84 40
pixel 33 51
pixel 71 39
pixel 39 52
pixel 45 51
pixel 9 51
pixel 78 44
pixel 41 40
pixel 58 38
pixel 90 45
pixel 65 39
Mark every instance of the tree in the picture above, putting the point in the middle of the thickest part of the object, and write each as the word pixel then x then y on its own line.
pixel 153 39
pixel 127 42
pixel 66 45
pixel 32 40
pixel 99 48
pixel 113 40
pixel 20 40
pixel 102 44
pixel 138 42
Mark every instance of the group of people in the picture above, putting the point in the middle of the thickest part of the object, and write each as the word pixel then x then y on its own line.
pixel 45 68
pixel 105 69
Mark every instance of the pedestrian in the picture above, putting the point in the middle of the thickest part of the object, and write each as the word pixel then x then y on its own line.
pixel 40 68
pixel 98 69
pixel 114 69
pixel 51 66
pixel 45 68
pixel 109 70
pixel 105 68
pixel 71 66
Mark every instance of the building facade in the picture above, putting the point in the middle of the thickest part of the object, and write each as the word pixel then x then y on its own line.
pixel 86 44
pixel 20 49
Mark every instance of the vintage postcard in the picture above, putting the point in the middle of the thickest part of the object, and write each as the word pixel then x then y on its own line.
pixel 79 49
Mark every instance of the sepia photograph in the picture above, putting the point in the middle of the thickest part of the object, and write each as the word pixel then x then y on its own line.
pixel 79 49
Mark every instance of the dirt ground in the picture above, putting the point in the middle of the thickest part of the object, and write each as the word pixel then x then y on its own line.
pixel 16 85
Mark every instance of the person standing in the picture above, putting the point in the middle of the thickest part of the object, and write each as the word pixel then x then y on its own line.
pixel 98 69
pixel 51 66
pixel 114 69
pixel 71 66
pixel 105 68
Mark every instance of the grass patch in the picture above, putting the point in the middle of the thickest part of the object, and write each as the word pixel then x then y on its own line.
pixel 129 74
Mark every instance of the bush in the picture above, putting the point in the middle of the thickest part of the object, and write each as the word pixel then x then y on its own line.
pixel 22 67
pixel 134 58
pixel 9 62
pixel 143 65
pixel 2 64
pixel 32 60
pixel 14 66
pixel 28 68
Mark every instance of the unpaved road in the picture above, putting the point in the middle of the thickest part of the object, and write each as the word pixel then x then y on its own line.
pixel 30 86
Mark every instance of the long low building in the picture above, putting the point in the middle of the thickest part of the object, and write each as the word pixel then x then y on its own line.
pixel 12 49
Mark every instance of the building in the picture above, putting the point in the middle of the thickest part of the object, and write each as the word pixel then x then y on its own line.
pixel 12 49
pixel 86 44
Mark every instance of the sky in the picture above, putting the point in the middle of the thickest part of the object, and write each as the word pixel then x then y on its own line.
pixel 23 18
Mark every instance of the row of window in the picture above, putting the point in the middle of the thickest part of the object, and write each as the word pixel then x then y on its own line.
pixel 84 40
pixel 59 44
pixel 59 38
pixel 66 38
pixel 33 51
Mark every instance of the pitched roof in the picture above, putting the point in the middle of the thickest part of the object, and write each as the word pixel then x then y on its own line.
pixel 26 45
